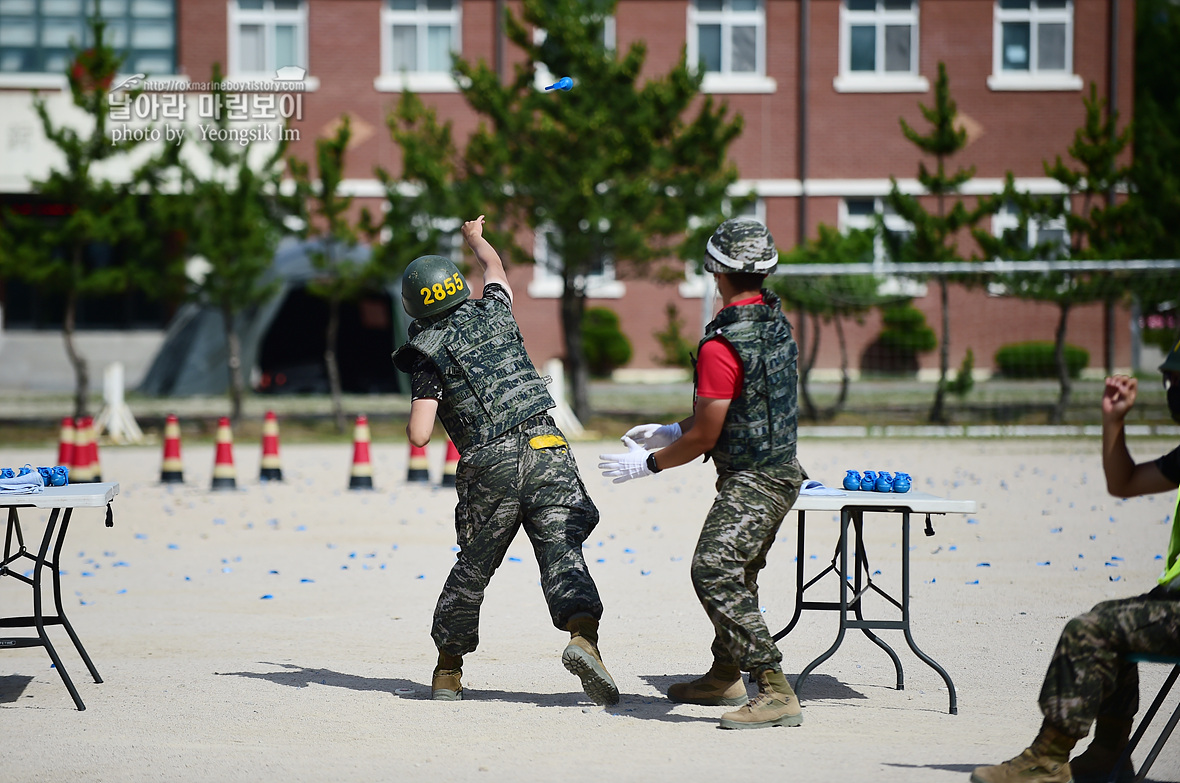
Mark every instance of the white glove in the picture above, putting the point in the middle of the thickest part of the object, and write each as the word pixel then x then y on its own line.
pixel 655 436
pixel 624 467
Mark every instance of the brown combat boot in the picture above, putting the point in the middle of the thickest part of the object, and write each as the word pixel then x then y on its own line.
pixel 1111 736
pixel 1045 761
pixel 445 685
pixel 581 657
pixel 722 686
pixel 775 705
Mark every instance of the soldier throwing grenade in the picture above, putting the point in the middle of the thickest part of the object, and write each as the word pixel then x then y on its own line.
pixel 468 365
pixel 744 416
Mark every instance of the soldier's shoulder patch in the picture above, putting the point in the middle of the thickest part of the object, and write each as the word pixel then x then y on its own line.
pixel 547 441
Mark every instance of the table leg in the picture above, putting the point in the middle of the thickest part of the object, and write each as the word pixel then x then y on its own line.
pixel 39 617
pixel 905 613
pixel 862 566
pixel 843 545
pixel 61 612
pixel 799 586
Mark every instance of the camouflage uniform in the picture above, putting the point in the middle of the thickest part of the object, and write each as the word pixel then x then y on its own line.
pixel 758 480
pixel 1089 676
pixel 515 468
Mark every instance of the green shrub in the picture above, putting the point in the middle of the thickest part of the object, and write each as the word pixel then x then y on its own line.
pixel 1034 359
pixel 676 350
pixel 607 348
pixel 905 329
pixel 964 381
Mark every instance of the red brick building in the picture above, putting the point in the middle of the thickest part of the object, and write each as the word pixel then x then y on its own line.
pixel 820 83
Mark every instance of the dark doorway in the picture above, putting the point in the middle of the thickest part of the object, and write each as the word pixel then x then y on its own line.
pixel 291 357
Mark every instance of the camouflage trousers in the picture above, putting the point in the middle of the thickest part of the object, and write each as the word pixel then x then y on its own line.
pixel 503 486
pixel 736 538
pixel 1089 676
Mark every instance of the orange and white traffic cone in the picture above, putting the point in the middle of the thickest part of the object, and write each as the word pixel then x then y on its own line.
pixel 82 470
pixel 271 469
pixel 171 470
pixel 419 467
pixel 450 465
pixel 362 467
pixel 65 444
pixel 224 475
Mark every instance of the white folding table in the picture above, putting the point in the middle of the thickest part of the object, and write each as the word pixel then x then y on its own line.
pixel 55 499
pixel 852 506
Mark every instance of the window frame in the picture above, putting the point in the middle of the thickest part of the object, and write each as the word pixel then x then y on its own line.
pixel 880 80
pixel 421 81
pixel 1034 78
pixel 890 285
pixel 726 81
pixel 268 17
pixel 547 284
pixel 56 78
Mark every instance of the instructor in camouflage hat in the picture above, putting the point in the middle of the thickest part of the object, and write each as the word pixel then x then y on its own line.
pixel 745 417
pixel 1090 680
pixel 468 366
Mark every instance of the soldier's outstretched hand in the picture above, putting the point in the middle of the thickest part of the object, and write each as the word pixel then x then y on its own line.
pixel 1118 396
pixel 473 230
pixel 624 467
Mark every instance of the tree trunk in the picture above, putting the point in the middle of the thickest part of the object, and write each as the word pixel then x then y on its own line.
pixel 573 306
pixel 81 370
pixel 806 361
pixel 234 346
pixel 845 378
pixel 938 410
pixel 333 333
pixel 1058 414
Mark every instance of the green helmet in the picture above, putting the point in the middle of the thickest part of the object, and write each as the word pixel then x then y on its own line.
pixel 1172 362
pixel 432 285
pixel 741 245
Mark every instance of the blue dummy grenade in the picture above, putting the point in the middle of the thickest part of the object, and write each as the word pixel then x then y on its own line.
pixel 869 482
pixel 564 83
pixel 901 482
pixel 884 482
pixel 852 480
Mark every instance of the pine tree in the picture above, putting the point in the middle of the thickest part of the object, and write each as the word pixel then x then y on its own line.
pixel 233 219
pixel 341 274
pixel 56 257
pixel 612 171
pixel 934 238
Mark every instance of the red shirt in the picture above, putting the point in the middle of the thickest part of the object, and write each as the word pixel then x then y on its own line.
pixel 719 370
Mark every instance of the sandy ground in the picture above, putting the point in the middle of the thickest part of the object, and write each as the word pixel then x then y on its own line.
pixel 281 631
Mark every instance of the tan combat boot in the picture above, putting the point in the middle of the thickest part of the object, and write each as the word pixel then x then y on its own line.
pixel 722 686
pixel 582 658
pixel 775 705
pixel 1045 761
pixel 445 685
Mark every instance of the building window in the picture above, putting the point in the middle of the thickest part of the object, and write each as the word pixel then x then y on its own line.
pixel 879 47
pixel 418 38
pixel 861 213
pixel 547 277
pixel 36 36
pixel 727 39
pixel 1033 45
pixel 266 35
pixel 1051 234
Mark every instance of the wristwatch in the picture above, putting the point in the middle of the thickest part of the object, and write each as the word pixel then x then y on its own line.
pixel 651 463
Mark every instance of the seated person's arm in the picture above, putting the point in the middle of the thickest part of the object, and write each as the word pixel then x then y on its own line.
pixel 421 424
pixel 1124 477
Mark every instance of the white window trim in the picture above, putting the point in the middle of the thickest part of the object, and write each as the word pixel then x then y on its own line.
pixel 890 285
pixel 720 82
pixel 416 81
pixel 879 80
pixel 268 18
pixel 548 285
pixel 1032 79
pixel 1006 220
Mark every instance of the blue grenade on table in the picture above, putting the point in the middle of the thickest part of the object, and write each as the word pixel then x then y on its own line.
pixel 901 482
pixel 869 481
pixel 852 480
pixel 884 482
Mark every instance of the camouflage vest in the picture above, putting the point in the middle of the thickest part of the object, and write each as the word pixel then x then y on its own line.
pixel 761 425
pixel 489 382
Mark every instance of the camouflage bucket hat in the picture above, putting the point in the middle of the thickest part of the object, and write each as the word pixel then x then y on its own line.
pixel 432 285
pixel 1172 362
pixel 741 245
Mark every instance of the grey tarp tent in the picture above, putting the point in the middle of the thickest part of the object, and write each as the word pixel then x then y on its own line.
pixel 193 357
